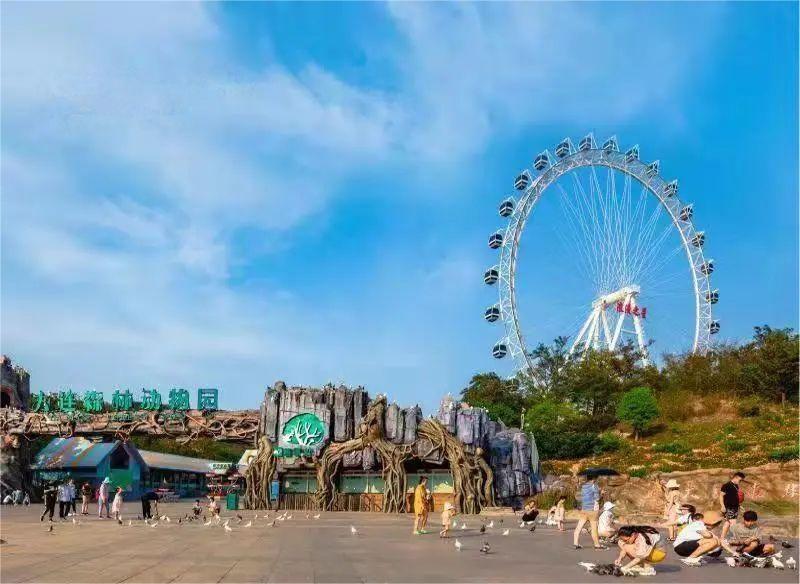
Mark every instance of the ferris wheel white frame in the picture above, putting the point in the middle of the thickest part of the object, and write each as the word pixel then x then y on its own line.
pixel 533 183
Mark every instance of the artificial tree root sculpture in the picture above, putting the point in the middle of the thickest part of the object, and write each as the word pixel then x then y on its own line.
pixel 370 433
pixel 258 476
pixel 472 478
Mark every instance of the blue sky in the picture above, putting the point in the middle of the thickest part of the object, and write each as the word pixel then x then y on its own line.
pixel 230 194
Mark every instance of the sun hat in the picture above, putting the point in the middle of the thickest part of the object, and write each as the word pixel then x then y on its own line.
pixel 448 506
pixel 712 517
pixel 672 484
pixel 608 505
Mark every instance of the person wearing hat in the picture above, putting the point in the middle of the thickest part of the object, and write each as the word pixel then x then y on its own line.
pixel 102 498
pixel 672 502
pixel 605 524
pixel 697 539
pixel 447 517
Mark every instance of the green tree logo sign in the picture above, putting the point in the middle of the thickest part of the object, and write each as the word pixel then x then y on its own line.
pixel 303 430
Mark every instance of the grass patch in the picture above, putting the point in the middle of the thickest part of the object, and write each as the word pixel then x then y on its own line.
pixel 674 447
pixel 776 507
pixel 733 445
pixel 785 454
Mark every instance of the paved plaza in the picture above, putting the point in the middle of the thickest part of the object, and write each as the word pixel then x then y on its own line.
pixel 308 550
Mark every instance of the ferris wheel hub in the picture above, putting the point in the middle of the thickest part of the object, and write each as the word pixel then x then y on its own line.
pixel 617 296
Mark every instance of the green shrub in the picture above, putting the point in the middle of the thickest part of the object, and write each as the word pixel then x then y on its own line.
pixel 785 454
pixel 733 445
pixel 749 407
pixel 674 447
pixel 638 473
pixel 567 445
pixel 639 408
pixel 609 442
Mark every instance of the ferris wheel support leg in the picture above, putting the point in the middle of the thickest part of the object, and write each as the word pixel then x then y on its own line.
pixel 637 325
pixel 617 331
pixel 606 329
pixel 590 336
pixel 578 338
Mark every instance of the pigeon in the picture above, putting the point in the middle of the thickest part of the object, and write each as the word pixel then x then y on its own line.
pixel 180 520
pixel 119 521
pixel 786 545
pixel 138 518
pixel 289 517
pixel 308 515
pixel 791 564
pixel 506 531
pixel 130 523
pixel 731 561
pixel 248 524
pixel 458 545
pixel 521 524
pixel 587 565
pixel 317 516
pixel 74 521
pixel 353 530
pixel 266 515
pixel 207 523
pixel 273 523
pixel 168 519
pixel 154 524
pixel 239 517
pixel 776 563
pixel 227 528
pixel 50 529
pixel 485 548
pixel 490 524
pixel 463 526
pixel 454 524
pixel 603 569
pixel 482 529
pixel 227 521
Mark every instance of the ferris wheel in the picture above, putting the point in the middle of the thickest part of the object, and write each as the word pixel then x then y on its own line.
pixel 616 243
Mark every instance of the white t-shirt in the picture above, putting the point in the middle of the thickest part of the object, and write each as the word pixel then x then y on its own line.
pixel 606 521
pixel 690 533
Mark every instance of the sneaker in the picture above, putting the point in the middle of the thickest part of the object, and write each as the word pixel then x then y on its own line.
pixel 578 547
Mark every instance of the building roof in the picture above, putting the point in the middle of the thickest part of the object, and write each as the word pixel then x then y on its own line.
pixel 182 463
pixel 73 453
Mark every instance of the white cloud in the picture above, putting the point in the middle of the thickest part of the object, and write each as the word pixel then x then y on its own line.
pixel 135 148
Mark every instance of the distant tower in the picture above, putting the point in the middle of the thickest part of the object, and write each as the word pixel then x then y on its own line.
pixel 15 385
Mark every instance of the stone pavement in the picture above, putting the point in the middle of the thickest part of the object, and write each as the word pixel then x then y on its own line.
pixel 308 550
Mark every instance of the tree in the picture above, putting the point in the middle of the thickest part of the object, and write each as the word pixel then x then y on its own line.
pixel 770 363
pixel 502 398
pixel 639 408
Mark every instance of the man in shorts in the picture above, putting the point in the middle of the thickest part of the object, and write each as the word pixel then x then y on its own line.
pixel 745 537
pixel 730 498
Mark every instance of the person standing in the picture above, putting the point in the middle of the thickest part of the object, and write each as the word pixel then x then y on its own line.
pixel 561 511
pixel 63 500
pixel 86 497
pixel 116 506
pixel 730 498
pixel 420 506
pixel 147 498
pixel 102 498
pixel 73 495
pixel 50 496
pixel 672 503
pixel 589 511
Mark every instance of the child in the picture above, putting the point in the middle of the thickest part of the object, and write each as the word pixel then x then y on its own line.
pixel 605 524
pixel 196 509
pixel 561 512
pixel 447 516
pixel 213 507
pixel 116 506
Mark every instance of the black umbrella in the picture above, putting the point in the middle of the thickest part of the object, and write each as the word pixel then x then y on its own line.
pixel 599 472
